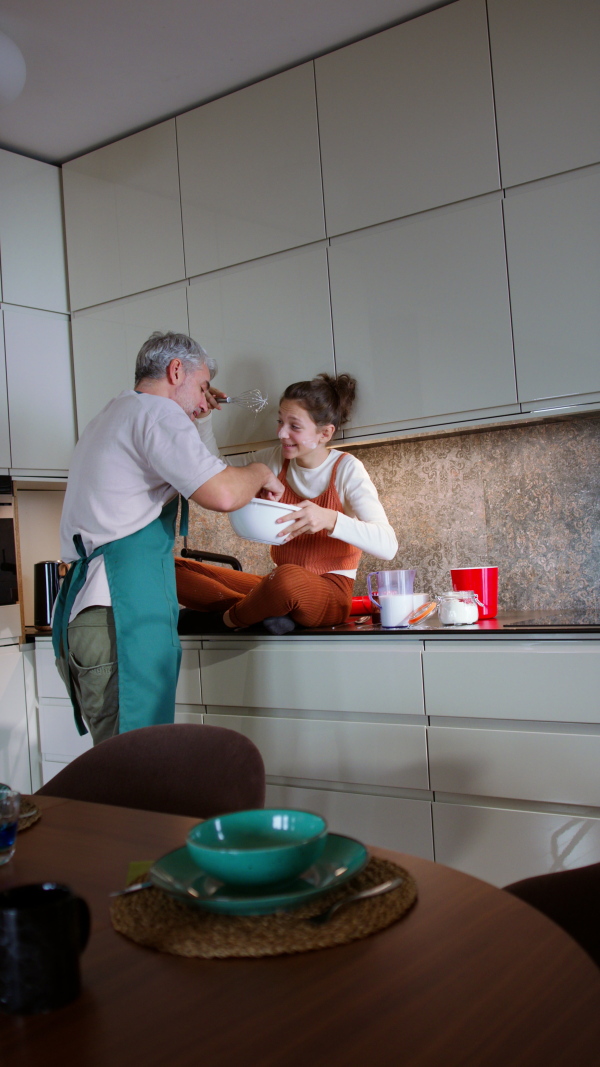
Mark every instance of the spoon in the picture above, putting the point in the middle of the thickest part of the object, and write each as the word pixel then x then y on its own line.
pixel 374 891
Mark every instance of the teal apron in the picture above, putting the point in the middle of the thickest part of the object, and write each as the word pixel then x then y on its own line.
pixel 141 579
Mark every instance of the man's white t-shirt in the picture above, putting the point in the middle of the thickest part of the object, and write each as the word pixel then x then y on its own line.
pixel 133 458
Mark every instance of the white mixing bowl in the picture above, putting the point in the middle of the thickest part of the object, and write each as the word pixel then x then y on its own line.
pixel 256 521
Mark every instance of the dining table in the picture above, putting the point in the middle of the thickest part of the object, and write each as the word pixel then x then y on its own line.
pixel 470 977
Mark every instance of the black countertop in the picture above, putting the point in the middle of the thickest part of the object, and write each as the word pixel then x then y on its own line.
pixel 195 623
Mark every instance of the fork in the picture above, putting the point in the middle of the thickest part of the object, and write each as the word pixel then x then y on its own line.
pixel 374 891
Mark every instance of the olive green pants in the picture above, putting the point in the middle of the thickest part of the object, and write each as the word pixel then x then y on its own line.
pixel 93 668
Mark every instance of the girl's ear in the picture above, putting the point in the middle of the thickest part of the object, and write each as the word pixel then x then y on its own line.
pixel 326 433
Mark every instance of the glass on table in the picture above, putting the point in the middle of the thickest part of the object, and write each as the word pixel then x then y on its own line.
pixel 10 804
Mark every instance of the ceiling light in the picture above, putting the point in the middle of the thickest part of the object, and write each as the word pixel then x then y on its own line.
pixel 12 70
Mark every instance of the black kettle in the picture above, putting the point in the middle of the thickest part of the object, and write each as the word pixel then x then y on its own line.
pixel 47 577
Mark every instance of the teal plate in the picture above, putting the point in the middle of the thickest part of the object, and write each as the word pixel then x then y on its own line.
pixel 342 858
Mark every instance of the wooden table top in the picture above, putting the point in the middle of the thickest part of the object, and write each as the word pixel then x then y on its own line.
pixel 470 977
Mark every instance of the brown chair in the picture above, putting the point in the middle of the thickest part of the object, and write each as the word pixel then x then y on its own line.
pixel 180 769
pixel 570 899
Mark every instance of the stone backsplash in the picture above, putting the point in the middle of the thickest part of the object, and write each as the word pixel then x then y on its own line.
pixel 525 498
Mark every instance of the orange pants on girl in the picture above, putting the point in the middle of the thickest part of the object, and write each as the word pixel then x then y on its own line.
pixel 310 599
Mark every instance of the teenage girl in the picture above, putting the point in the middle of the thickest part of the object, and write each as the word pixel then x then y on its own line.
pixel 340 517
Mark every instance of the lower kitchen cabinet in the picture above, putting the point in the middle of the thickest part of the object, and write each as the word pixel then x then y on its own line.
pixel 387 822
pixel 14 733
pixel 503 845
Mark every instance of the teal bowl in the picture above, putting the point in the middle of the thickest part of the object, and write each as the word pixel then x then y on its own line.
pixel 258 847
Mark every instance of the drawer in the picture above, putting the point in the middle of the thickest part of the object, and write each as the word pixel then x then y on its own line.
pixel 386 822
pixel 188 684
pixel 315 676
pixel 520 764
pixel 59 738
pixel 366 753
pixel 502 846
pixel 543 680
pixel 49 681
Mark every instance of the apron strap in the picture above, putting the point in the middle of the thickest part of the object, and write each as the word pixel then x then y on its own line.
pixel 184 517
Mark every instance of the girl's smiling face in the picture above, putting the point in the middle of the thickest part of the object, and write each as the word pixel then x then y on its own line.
pixel 301 439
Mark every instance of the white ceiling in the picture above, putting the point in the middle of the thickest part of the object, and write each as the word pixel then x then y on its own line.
pixel 100 69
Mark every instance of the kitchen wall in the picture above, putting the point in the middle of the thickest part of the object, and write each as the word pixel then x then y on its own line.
pixel 525 498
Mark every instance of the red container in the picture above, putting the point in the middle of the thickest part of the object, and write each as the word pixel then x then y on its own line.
pixel 484 583
pixel 362 605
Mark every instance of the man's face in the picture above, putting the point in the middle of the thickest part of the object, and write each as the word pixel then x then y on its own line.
pixel 190 394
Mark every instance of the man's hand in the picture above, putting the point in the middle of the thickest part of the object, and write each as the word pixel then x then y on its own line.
pixel 272 489
pixel 309 520
pixel 213 396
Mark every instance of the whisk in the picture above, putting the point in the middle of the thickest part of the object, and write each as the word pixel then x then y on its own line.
pixel 251 399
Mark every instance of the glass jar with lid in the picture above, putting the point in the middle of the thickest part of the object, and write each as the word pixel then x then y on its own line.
pixel 458 608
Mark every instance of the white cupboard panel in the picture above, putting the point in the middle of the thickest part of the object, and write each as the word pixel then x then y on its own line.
pixel 368 753
pixel 49 681
pixel 386 822
pixel 34 270
pixel 423 303
pixel 188 685
pixel 4 434
pixel 250 173
pixel 553 252
pixel 40 389
pixel 14 737
pixel 123 217
pixel 525 765
pixel 106 342
pixel 314 676
pixel 502 846
pixel 268 324
pixel 59 737
pixel 542 681
pixel 547 85
pixel 406 119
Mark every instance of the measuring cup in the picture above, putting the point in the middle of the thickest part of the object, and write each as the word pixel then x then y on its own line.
pixel 395 591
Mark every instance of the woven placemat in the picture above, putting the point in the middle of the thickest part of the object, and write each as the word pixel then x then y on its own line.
pixel 157 920
pixel 29 813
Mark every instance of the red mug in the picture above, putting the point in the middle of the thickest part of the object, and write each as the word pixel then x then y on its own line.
pixel 361 605
pixel 484 583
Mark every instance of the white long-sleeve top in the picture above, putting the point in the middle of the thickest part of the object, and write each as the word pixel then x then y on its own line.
pixel 363 522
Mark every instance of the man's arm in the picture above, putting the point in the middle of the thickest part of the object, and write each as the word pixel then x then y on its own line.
pixel 235 486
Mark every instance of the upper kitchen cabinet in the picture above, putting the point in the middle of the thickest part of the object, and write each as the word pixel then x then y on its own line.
pixel 106 341
pixel 268 323
pixel 421 316
pixel 553 250
pixel 123 217
pixel 31 234
pixel 4 434
pixel 250 173
pixel 406 119
pixel 545 59
pixel 40 389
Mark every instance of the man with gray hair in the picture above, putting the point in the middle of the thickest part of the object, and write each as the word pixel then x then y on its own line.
pixel 115 622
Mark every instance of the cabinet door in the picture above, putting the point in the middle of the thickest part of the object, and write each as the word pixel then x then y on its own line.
pixel 386 822
pixel 31 234
pixel 423 303
pixel 123 217
pixel 502 846
pixel 406 119
pixel 540 681
pixel 14 750
pixel 553 251
pixel 268 323
pixel 40 389
pixel 316 676
pixel 378 754
pixel 106 342
pixel 4 432
pixel 60 739
pixel 547 85
pixel 250 173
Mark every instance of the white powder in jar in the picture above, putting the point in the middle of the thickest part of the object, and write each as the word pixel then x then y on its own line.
pixel 454 611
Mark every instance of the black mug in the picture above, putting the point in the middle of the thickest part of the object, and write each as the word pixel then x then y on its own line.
pixel 43 930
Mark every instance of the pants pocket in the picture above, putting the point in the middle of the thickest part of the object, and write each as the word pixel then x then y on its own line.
pixel 97 691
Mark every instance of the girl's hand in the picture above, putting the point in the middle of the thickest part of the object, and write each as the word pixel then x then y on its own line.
pixel 309 520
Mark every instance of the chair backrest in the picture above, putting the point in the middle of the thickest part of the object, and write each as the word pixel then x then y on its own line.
pixel 180 769
pixel 570 899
